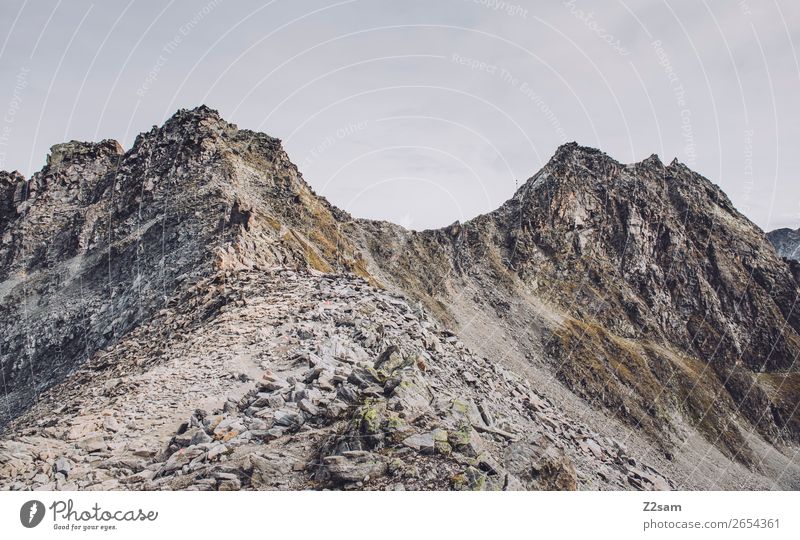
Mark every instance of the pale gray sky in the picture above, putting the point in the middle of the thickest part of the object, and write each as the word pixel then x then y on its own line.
pixel 424 112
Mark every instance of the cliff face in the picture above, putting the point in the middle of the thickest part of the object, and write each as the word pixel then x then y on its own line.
pixel 633 299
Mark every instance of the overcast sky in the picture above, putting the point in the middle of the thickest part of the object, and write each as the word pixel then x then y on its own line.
pixel 424 112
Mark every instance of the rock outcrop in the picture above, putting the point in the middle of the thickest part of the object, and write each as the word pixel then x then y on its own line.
pixel 190 315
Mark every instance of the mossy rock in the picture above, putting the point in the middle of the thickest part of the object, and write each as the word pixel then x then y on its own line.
pixel 440 443
pixel 367 419
pixel 391 361
pixel 367 423
pixel 396 428
pixel 443 448
pixel 459 437
pixel 470 480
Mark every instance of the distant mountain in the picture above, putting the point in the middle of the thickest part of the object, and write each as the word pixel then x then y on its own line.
pixel 189 314
pixel 787 242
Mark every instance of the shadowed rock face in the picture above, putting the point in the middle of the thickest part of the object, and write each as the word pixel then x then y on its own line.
pixel 634 296
pixel 786 242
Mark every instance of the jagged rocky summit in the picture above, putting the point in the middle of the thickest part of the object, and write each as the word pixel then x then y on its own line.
pixel 189 314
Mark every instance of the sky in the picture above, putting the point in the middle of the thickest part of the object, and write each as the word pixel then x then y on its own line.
pixel 424 112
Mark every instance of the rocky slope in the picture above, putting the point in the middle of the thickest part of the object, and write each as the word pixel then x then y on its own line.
pixel 329 383
pixel 786 242
pixel 189 314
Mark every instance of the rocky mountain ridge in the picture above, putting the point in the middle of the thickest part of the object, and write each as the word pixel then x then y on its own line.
pixel 654 278
pixel 330 383
pixel 634 298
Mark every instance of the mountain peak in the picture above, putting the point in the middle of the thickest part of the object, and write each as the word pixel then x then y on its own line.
pixel 575 150
pixel 201 112
pixel 623 288
pixel 654 161
pixel 202 118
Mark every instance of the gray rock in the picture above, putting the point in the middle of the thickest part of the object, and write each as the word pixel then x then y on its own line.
pixel 353 466
pixel 288 418
pixel 216 452
pixel 421 442
pixel 93 444
pixel 200 437
pixel 306 406
pixel 63 466
pixel 110 423
pixel 185 438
